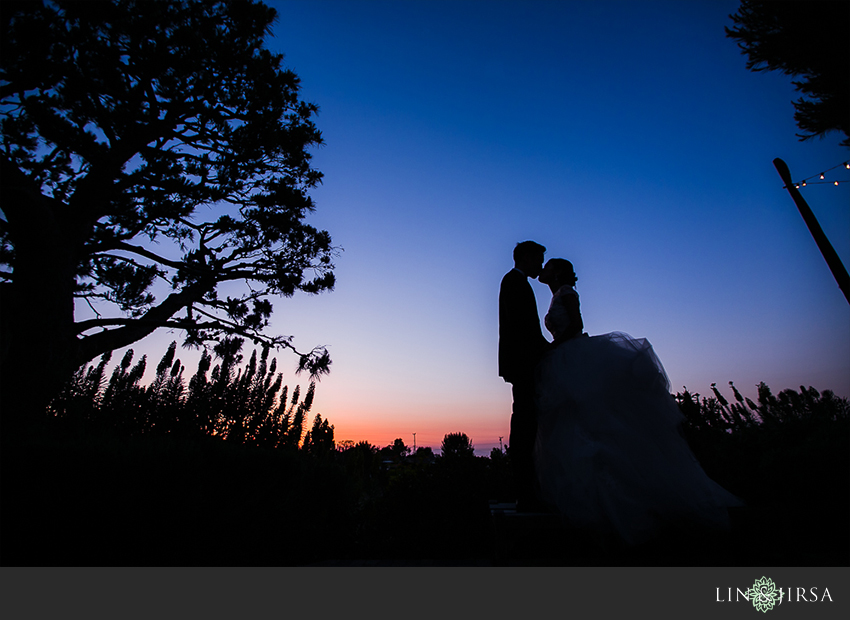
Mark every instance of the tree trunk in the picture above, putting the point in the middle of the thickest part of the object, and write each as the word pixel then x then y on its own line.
pixel 37 320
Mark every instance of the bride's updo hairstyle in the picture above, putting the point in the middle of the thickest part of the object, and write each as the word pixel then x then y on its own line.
pixel 555 270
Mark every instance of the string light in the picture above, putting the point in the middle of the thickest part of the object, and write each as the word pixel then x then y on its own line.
pixel 822 176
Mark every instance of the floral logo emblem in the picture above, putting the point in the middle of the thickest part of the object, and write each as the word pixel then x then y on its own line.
pixel 764 594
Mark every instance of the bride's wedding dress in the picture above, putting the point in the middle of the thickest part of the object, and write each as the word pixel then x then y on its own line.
pixel 609 452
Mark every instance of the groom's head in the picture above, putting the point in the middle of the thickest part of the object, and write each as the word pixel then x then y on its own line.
pixel 528 258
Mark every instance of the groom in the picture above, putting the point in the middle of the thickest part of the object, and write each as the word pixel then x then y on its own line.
pixel 521 345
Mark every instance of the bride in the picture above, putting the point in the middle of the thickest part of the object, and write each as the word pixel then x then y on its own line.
pixel 609 453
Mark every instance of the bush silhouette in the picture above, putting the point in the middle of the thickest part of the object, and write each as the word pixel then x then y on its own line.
pixel 247 405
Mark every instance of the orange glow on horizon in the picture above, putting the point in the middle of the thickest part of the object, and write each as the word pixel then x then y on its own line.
pixel 380 424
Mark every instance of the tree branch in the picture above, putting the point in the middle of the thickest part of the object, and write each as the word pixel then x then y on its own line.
pixel 135 249
pixel 134 329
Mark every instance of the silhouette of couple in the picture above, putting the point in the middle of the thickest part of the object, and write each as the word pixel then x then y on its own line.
pixel 595 433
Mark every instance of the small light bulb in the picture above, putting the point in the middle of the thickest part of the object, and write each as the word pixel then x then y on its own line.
pixel 797 185
pixel 836 182
pixel 821 175
pixel 804 184
pixel 847 164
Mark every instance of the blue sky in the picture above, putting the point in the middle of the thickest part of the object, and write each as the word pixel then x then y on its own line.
pixel 627 137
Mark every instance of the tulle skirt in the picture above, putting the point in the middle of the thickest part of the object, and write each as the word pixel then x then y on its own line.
pixel 609 452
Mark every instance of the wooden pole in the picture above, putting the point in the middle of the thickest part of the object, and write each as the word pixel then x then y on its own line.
pixel 832 259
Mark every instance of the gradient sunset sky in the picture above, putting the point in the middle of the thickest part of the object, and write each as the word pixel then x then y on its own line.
pixel 627 137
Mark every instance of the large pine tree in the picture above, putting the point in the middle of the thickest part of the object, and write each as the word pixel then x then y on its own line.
pixel 130 122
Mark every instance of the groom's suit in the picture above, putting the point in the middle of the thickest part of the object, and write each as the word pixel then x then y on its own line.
pixel 521 345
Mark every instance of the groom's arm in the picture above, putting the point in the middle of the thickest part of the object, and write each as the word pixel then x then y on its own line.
pixel 521 339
